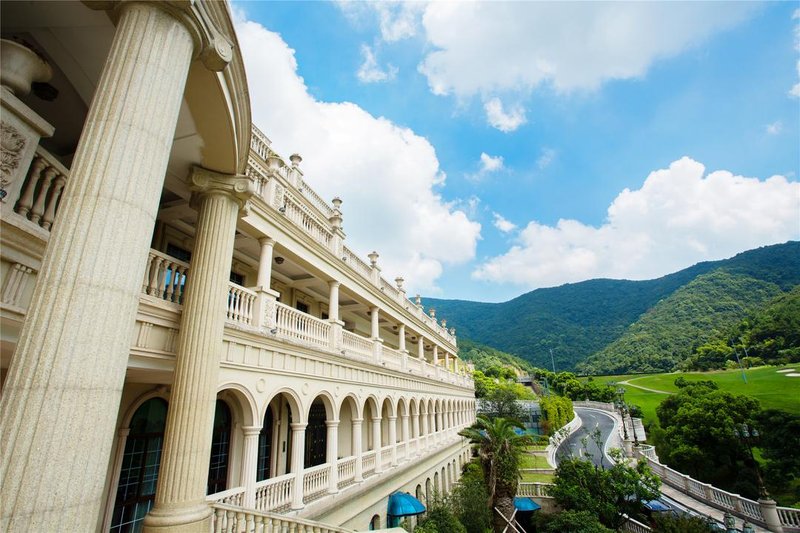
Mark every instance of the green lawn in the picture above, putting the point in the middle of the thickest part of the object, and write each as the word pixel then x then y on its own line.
pixel 774 390
pixel 528 460
pixel 541 478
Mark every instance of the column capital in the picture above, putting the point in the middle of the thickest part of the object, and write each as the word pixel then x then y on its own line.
pixel 250 431
pixel 211 43
pixel 392 418
pixel 298 426
pixel 331 423
pixel 334 283
pixel 239 188
pixel 264 241
pixel 357 420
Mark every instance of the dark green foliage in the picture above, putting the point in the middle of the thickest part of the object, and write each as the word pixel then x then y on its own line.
pixel 580 319
pixel 571 522
pixel 439 518
pixel 779 441
pixel 670 523
pixel 567 384
pixel 556 412
pixel 500 389
pixel 492 362
pixel 470 500
pixel 499 448
pixel 698 434
pixel 605 493
pixel 668 333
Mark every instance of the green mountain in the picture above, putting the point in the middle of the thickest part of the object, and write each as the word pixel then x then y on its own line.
pixel 579 320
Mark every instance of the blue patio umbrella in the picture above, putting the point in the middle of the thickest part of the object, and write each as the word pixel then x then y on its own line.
pixel 526 504
pixel 404 504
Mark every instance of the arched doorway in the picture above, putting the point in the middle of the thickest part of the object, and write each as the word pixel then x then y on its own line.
pixel 220 449
pixel 141 460
pixel 316 435
pixel 375 523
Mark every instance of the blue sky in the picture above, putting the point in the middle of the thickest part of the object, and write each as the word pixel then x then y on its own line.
pixel 484 149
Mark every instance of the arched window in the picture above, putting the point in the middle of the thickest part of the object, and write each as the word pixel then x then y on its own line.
pixel 265 447
pixel 316 435
pixel 375 523
pixel 220 449
pixel 136 490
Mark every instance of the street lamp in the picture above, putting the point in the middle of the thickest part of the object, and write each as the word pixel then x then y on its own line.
pixel 622 410
pixel 749 434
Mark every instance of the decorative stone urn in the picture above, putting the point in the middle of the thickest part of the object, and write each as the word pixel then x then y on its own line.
pixel 20 66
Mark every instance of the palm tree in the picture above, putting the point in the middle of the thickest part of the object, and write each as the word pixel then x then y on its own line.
pixel 499 448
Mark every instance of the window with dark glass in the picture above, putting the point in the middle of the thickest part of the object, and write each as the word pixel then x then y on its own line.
pixel 316 435
pixel 220 449
pixel 141 459
pixel 265 447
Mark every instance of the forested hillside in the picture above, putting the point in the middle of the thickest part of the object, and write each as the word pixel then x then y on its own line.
pixel 670 331
pixel 579 320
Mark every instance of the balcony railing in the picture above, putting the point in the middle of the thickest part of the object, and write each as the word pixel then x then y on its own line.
pixel 356 343
pixel 164 277
pixel 229 519
pixel 316 481
pixel 302 327
pixel 41 193
pixel 347 471
pixel 275 494
pixel 368 462
pixel 240 304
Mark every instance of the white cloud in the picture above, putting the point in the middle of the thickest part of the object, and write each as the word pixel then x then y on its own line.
pixel 775 128
pixel 502 224
pixel 370 72
pixel 386 175
pixel 545 158
pixel 679 216
pixel 491 163
pixel 511 48
pixel 499 118
pixel 397 20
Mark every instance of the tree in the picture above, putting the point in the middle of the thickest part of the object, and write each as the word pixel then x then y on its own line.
pixel 439 518
pixel 699 431
pixel 499 448
pixel 604 493
pixel 469 500
pixel 779 440
pixel 574 522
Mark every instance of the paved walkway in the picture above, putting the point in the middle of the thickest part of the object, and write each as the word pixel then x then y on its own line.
pixel 628 382
pixel 700 507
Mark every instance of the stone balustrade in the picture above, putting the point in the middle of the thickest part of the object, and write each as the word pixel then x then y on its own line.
pixel 41 193
pixel 164 277
pixel 234 496
pixel 302 327
pixel 229 519
pixel 761 512
pixel 275 494
pixel 241 302
pixel 315 481
pixel 347 471
pixel 356 343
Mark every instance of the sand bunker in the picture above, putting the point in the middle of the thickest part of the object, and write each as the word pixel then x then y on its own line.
pixel 793 375
pixel 785 370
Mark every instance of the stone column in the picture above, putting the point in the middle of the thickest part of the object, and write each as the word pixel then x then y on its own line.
pixel 332 455
pixel 424 417
pixel 401 346
pixel 73 349
pixel 376 334
pixel 264 310
pixel 357 451
pixel 435 354
pixel 250 465
pixel 393 439
pixel 406 436
pixel 447 361
pixel 180 497
pixel 265 262
pixel 298 458
pixel 333 316
pixel 415 423
pixel 421 349
pixel 376 443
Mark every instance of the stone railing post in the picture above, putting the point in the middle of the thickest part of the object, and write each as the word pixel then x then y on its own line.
pixel 769 511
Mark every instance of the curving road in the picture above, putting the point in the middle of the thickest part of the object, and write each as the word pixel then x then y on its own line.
pixel 582 445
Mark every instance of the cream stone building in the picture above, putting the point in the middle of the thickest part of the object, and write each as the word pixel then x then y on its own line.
pixel 188 344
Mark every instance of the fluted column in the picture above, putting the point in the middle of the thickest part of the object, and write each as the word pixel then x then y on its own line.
pixel 298 457
pixel 72 353
pixel 376 443
pixel 250 464
pixel 180 497
pixel 331 454
pixel 393 439
pixel 406 436
pixel 415 423
pixel 357 449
